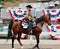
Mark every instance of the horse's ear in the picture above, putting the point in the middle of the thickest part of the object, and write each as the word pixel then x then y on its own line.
pixel 45 15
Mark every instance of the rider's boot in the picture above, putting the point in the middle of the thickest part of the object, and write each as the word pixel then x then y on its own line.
pixel 30 32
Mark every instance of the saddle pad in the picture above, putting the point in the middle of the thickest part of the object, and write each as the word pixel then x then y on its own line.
pixel 25 25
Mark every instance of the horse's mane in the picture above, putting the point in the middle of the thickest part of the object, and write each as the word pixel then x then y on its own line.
pixel 39 19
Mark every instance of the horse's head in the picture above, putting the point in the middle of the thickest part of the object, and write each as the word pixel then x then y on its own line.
pixel 47 19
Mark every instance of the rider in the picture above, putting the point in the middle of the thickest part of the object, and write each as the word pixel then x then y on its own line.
pixel 29 17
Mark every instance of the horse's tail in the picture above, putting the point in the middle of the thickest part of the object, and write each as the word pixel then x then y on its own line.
pixel 9 29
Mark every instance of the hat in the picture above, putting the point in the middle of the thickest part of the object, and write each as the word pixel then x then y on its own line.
pixel 29 6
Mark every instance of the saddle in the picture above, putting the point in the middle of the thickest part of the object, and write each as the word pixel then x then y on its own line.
pixel 25 24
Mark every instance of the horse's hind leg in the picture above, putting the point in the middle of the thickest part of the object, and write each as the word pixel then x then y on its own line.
pixel 19 36
pixel 12 42
pixel 13 38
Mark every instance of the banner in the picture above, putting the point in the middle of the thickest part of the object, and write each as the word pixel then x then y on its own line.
pixel 17 14
pixel 55 17
pixel 54 14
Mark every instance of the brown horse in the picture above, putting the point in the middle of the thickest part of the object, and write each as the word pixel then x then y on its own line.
pixel 18 30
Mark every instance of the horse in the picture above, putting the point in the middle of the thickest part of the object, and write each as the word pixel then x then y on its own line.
pixel 18 30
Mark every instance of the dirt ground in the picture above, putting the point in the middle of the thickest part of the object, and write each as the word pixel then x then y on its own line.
pixel 17 46
pixel 28 44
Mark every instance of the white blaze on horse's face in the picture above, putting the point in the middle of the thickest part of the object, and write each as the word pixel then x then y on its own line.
pixel 47 19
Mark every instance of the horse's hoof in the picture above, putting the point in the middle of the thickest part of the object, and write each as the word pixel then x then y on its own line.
pixel 36 47
pixel 13 48
pixel 33 48
pixel 21 47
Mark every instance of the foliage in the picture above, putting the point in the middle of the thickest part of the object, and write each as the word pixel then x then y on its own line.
pixel 1 2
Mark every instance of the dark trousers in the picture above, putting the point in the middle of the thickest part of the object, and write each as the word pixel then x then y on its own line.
pixel 30 25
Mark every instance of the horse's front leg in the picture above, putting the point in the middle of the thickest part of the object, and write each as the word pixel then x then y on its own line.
pixel 37 39
pixel 18 39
